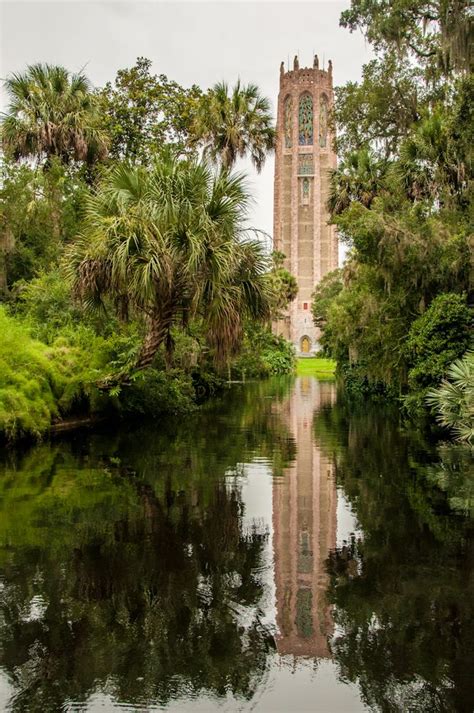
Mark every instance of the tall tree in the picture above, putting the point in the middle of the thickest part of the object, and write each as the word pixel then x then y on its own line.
pixel 236 124
pixel 170 241
pixel 144 111
pixel 52 113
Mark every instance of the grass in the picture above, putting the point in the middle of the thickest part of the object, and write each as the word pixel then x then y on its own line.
pixel 314 366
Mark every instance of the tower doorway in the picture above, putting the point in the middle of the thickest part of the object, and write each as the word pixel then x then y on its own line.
pixel 305 345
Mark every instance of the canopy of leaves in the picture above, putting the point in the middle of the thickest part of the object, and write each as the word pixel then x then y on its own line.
pixel 234 123
pixel 143 112
pixel 171 242
pixel 401 196
pixel 52 113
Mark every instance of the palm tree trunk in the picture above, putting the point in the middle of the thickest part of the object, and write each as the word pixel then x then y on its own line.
pixel 158 327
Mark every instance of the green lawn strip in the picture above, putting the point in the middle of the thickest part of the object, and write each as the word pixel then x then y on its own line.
pixel 315 366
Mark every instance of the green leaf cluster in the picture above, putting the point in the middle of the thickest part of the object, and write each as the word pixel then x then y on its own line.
pixel 401 198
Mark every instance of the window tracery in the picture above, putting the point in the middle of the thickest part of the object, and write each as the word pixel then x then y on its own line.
pixel 305 120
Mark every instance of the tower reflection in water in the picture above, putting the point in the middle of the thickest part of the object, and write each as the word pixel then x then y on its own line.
pixel 304 530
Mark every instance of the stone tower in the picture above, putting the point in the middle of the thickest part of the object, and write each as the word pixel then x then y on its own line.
pixel 303 158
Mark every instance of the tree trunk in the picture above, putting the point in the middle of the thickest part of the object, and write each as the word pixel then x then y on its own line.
pixel 158 328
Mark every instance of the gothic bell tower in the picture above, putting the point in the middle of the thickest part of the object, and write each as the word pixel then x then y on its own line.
pixel 303 159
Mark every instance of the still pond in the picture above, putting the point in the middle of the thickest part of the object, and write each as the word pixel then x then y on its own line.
pixel 279 550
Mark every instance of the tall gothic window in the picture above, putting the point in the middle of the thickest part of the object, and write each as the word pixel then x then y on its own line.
pixel 305 188
pixel 323 121
pixel 288 121
pixel 305 120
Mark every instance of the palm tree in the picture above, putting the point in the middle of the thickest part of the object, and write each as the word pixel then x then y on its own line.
pixel 359 178
pixel 170 242
pixel 233 126
pixel 454 399
pixel 52 114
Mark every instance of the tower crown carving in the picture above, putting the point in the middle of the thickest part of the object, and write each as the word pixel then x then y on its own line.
pixel 306 75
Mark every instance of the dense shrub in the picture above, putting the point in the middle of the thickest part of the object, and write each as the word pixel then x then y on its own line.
pixel 263 354
pixel 27 381
pixel 154 392
pixel 441 335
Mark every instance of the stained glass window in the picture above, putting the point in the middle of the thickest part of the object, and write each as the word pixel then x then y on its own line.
pixel 305 165
pixel 305 120
pixel 323 121
pixel 288 111
pixel 305 187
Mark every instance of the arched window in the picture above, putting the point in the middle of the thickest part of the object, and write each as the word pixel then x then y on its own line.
pixel 305 120
pixel 288 121
pixel 323 121
pixel 305 184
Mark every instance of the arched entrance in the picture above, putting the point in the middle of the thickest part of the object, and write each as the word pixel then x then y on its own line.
pixel 305 345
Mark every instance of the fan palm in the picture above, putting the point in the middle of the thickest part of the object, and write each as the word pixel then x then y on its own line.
pixel 52 114
pixel 358 178
pixel 234 125
pixel 454 398
pixel 171 242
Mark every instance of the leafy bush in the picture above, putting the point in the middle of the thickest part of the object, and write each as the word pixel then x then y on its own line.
pixel 27 381
pixel 154 392
pixel 263 354
pixel 40 383
pixel 437 338
pixel 358 385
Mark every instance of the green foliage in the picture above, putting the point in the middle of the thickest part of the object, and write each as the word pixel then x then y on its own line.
pixel 436 35
pixel 316 366
pixel 323 296
pixel 381 108
pixel 153 393
pixel 263 354
pixel 171 243
pixel 160 244
pixel 52 113
pixel 27 382
pixel 436 338
pixel 233 124
pixel 39 212
pixel 453 400
pixel 38 384
pixel 401 199
pixel 143 112
pixel 283 285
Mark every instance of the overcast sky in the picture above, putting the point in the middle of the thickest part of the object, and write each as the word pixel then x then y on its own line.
pixel 191 42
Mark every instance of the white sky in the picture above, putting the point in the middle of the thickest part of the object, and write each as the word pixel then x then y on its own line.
pixel 191 42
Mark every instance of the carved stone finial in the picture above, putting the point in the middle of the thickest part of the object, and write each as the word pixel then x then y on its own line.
pixel 330 67
pixel 282 68
pixel 316 62
pixel 296 63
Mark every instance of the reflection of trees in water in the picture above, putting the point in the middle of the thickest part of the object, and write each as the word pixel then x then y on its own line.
pixel 132 570
pixel 404 591
pixel 153 604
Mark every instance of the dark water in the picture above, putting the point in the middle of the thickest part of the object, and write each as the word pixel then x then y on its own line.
pixel 279 551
